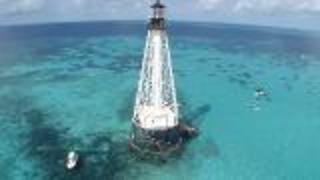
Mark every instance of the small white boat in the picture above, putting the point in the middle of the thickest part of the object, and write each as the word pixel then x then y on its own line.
pixel 260 93
pixel 72 160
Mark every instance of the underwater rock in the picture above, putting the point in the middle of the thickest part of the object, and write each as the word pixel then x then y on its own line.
pixel 210 148
pixel 238 81
pixel 246 75
pixel 212 74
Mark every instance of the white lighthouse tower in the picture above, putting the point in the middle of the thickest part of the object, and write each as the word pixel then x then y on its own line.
pixel 156 117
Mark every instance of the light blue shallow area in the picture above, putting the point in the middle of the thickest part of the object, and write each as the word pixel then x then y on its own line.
pixel 76 91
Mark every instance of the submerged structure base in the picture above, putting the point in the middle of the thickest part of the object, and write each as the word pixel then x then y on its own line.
pixel 151 144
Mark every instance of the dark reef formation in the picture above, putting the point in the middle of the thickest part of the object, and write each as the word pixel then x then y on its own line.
pixel 104 157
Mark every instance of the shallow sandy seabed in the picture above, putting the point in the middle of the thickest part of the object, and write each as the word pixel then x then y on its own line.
pixel 77 92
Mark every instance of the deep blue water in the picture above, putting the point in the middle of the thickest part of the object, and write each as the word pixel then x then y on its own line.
pixel 72 86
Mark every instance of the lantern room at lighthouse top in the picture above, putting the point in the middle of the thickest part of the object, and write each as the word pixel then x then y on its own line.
pixel 158 10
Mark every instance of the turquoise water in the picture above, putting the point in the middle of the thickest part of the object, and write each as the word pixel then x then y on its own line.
pixel 72 86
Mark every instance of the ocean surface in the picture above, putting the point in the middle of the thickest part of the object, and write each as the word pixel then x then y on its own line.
pixel 72 86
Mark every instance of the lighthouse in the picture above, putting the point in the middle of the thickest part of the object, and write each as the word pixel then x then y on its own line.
pixel 155 120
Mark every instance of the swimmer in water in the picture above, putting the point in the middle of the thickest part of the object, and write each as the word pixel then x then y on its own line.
pixel 260 93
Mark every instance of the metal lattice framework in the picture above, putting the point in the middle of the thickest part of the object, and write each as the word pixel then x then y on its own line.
pixel 156 105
